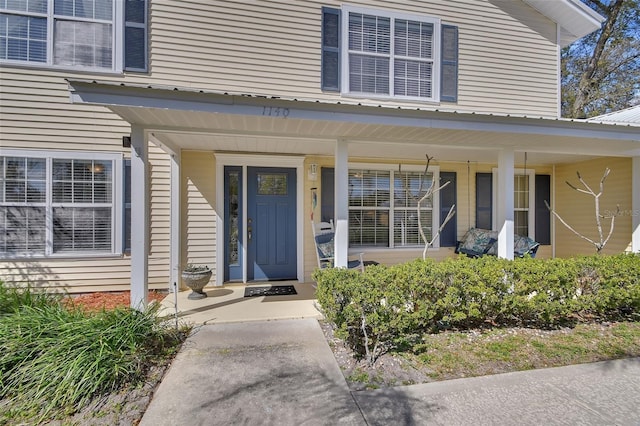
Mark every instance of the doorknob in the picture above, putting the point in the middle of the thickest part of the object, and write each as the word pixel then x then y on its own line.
pixel 249 229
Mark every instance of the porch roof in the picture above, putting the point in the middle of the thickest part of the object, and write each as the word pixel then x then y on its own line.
pixel 186 118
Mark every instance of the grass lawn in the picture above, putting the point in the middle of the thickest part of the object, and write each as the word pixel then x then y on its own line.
pixel 455 354
pixel 476 353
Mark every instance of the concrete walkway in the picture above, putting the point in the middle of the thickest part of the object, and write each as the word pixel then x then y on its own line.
pixel 283 373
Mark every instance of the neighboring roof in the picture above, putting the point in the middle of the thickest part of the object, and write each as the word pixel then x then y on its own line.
pixel 630 116
pixel 576 19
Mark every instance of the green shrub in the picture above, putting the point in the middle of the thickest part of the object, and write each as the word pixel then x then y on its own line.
pixel 55 359
pixel 13 299
pixel 384 306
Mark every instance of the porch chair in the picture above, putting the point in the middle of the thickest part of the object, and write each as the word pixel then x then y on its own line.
pixel 323 238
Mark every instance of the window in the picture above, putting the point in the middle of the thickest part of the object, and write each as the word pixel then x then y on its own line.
pixel 523 202
pixel 83 34
pixel 391 54
pixel 382 214
pixel 58 203
pixel 521 205
pixel 409 188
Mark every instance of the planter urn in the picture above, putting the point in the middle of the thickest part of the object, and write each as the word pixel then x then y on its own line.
pixel 196 280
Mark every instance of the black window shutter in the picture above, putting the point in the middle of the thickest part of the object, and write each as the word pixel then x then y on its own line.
pixel 448 236
pixel 330 75
pixel 126 205
pixel 327 189
pixel 135 35
pixel 543 215
pixel 484 200
pixel 449 65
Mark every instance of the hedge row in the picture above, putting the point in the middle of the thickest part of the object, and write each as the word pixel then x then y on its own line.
pixel 384 306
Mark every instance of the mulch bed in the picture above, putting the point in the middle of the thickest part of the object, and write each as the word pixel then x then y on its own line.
pixel 108 300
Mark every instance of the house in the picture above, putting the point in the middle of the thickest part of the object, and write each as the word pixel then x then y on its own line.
pixel 139 136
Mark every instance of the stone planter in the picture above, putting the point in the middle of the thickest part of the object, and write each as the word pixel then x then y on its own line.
pixel 196 280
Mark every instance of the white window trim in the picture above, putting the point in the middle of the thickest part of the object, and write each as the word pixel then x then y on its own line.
pixel 344 71
pixel 117 41
pixel 532 198
pixel 393 168
pixel 117 219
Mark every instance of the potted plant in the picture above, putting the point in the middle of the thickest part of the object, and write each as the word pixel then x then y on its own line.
pixel 196 277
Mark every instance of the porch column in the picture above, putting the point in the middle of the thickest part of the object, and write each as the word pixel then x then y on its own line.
pixel 635 205
pixel 341 219
pixel 139 218
pixel 175 247
pixel 504 211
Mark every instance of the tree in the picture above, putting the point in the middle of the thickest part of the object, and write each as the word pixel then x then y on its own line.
pixel 602 241
pixel 601 72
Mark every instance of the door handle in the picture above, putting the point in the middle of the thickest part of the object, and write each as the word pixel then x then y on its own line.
pixel 249 229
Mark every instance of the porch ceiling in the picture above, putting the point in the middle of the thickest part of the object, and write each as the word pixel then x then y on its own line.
pixel 188 119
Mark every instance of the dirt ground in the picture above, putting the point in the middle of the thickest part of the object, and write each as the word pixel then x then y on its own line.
pixel 389 370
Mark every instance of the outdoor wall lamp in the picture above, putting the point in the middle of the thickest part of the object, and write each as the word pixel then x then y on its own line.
pixel 313 171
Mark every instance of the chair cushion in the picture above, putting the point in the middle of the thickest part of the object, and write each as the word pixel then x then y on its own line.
pixel 353 264
pixel 324 245
pixel 477 242
pixel 524 245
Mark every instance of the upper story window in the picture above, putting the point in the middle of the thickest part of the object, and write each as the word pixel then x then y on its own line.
pixel 78 34
pixel 390 55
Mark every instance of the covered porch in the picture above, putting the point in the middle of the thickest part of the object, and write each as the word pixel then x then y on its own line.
pixel 205 132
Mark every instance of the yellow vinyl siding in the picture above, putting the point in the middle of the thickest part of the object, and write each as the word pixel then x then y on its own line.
pixel 578 210
pixel 508 56
pixel 198 186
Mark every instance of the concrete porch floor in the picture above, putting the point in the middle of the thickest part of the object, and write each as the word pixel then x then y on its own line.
pixel 227 304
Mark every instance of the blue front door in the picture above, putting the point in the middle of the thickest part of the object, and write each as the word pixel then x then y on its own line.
pixel 271 223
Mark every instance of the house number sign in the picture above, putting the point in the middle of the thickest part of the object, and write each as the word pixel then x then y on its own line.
pixel 275 112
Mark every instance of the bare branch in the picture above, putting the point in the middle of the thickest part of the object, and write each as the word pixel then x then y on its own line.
pixel 427 244
pixel 578 189
pixel 604 177
pixel 569 226
pixel 585 185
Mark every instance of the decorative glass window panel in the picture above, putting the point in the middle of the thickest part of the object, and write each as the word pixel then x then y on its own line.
pixel 234 216
pixel 272 184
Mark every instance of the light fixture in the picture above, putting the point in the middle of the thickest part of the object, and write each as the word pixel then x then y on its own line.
pixel 97 168
pixel 313 172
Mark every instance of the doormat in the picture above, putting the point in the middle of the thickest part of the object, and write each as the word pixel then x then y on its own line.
pixel 275 290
